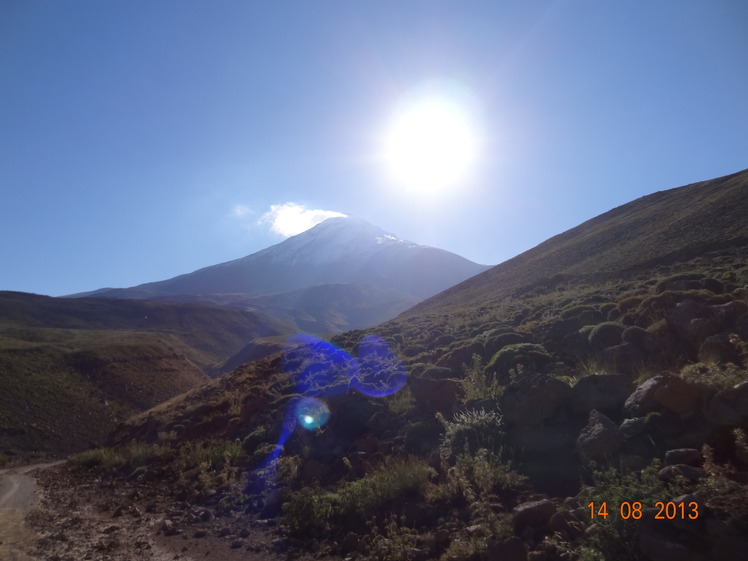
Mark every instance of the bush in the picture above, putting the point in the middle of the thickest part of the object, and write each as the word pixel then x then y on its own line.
pixel 606 334
pixel 618 538
pixel 469 431
pixel 527 355
pixel 397 478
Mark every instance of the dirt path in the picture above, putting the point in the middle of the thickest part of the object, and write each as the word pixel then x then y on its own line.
pixel 17 496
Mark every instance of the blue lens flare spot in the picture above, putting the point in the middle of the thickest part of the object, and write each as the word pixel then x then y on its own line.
pixel 321 368
pixel 311 413
pixel 380 372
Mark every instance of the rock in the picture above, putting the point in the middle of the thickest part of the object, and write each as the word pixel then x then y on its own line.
pixel 693 321
pixel 540 438
pixel 604 392
pixel 624 357
pixel 604 335
pixel 662 391
pixel 168 528
pixel 535 513
pixel 659 546
pixel 435 395
pixel 200 533
pixel 718 349
pixel 512 549
pixel 600 439
pixel 350 543
pixel 730 406
pixel 673 472
pixel 566 523
pixel 237 544
pixel 633 427
pixel 688 456
pixel 531 400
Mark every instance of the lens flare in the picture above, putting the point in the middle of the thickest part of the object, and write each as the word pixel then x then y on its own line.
pixel 312 413
pixel 325 369
pixel 380 372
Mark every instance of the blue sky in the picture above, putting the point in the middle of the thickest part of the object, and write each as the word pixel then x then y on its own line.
pixel 140 140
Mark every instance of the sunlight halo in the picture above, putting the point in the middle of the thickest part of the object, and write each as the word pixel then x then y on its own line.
pixel 430 145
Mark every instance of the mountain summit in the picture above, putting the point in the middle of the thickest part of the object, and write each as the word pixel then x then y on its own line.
pixel 366 265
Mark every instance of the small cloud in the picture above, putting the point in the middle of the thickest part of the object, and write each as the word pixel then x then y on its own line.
pixel 240 210
pixel 290 219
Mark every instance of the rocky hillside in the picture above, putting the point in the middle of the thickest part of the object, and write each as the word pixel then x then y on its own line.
pixel 546 409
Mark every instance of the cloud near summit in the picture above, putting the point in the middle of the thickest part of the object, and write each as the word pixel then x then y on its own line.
pixel 289 219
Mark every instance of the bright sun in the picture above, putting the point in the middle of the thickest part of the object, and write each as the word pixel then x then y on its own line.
pixel 430 145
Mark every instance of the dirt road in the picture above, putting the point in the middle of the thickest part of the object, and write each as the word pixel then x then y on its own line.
pixel 17 497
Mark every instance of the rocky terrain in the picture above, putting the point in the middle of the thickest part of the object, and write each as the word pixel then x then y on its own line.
pixel 582 415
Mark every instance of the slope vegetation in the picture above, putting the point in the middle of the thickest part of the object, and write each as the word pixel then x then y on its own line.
pixel 583 371
pixel 71 369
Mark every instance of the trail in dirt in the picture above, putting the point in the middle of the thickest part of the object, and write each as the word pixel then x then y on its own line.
pixel 17 497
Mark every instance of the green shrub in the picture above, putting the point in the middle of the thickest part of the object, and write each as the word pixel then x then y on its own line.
pixel 529 356
pixel 104 457
pixel 360 500
pixel 309 511
pixel 618 537
pixel 605 334
pixel 469 431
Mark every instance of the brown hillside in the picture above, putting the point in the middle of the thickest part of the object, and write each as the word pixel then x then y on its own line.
pixel 658 229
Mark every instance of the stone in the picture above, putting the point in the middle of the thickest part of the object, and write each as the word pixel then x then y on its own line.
pixel 662 391
pixel 633 427
pixel 718 349
pixel 350 543
pixel 567 524
pixel 676 471
pixel 434 396
pixel 693 321
pixel 540 438
pixel 532 400
pixel 688 456
pixel 512 549
pixel 730 406
pixel 600 439
pixel 604 392
pixel 534 513
pixel 657 545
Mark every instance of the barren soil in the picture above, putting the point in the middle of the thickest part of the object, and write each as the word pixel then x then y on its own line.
pixel 81 516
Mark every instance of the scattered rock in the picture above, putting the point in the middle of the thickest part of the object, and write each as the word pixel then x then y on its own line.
pixel 435 395
pixel 673 472
pixel 512 549
pixel 662 391
pixel 688 456
pixel 600 439
pixel 533 399
pixel 535 513
pixel 730 406
pixel 604 392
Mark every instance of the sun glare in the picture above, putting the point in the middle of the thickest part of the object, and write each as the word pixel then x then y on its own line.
pixel 430 145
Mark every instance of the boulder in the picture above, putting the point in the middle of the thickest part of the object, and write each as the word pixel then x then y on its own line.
pixel 730 406
pixel 688 456
pixel 604 392
pixel 512 549
pixel 662 391
pixel 435 395
pixel 694 321
pixel 718 349
pixel 540 438
pixel 533 399
pixel 600 439
pixel 534 513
